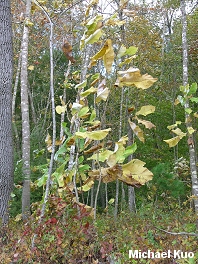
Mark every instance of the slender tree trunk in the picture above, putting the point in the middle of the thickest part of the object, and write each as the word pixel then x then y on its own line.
pixel 191 144
pixel 25 117
pixel 6 148
pixel 50 170
pixel 18 147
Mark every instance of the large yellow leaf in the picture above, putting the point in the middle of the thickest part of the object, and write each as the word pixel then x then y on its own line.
pixel 137 130
pixel 109 55
pixel 95 135
pixel 173 141
pixel 146 123
pixel 134 173
pixel 146 110
pixel 178 132
pixel 133 77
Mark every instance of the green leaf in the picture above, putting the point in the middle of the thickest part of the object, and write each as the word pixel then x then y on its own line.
pixel 81 85
pixel 92 116
pixel 88 91
pixel 83 111
pixel 194 99
pixel 42 181
pixel 94 37
pixel 131 50
pixel 193 88
pixel 111 201
pixel 130 150
pixel 188 110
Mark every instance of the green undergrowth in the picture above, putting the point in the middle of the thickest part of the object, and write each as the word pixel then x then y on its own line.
pixel 68 234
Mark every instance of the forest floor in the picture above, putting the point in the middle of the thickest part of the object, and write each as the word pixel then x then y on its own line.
pixel 74 238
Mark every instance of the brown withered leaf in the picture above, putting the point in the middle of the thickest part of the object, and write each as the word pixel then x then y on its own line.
pixel 67 50
pixel 107 174
pixel 94 148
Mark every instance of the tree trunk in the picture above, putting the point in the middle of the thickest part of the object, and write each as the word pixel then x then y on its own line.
pixel 25 117
pixel 191 144
pixel 6 147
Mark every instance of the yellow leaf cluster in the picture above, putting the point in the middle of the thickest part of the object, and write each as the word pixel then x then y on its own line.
pixel 133 77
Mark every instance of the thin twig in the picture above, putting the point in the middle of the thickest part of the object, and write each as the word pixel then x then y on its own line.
pixel 178 234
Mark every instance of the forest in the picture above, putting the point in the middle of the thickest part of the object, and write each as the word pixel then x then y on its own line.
pixel 98 131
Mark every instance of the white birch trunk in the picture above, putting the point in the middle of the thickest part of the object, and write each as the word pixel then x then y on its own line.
pixel 191 144
pixel 25 117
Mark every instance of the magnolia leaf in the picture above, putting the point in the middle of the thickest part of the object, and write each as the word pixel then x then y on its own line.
pixel 131 50
pixel 100 53
pixel 193 88
pixel 137 130
pixel 174 125
pixel 31 67
pixel 60 109
pixel 179 133
pixel 191 130
pixel 103 95
pixel 102 92
pixel 60 141
pixel 146 123
pixel 111 201
pixel 135 173
pixel 117 155
pixel 107 174
pixel 94 148
pixel 133 77
pixel 92 116
pixel 188 110
pixel 95 135
pixel 88 91
pixel 127 61
pixel 109 55
pixel 121 51
pixel 146 110
pixel 81 85
pixel 176 101
pixel 194 99
pixel 76 107
pixel 130 150
pixel 83 112
pixel 94 37
pixel 181 99
pixel 86 187
pixel 173 141
pixel 102 156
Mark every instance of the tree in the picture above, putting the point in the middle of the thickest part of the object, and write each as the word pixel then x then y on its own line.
pixel 25 115
pixel 6 151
